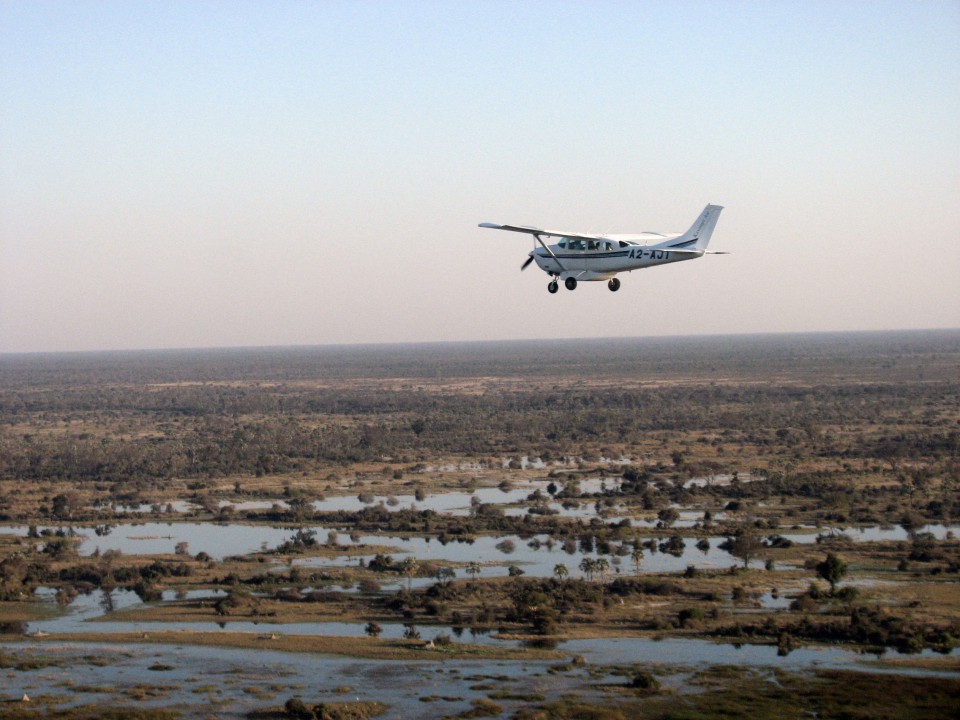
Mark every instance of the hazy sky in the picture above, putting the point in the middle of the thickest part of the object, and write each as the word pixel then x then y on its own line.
pixel 183 174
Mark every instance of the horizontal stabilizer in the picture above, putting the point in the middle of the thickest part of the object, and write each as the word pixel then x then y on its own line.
pixel 694 252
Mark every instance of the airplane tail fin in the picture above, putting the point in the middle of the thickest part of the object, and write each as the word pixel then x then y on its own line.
pixel 698 236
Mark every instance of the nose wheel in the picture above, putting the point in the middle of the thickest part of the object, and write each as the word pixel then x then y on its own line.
pixel 614 284
pixel 552 287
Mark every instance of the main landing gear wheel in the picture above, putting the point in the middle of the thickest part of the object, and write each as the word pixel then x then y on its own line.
pixel 571 283
pixel 614 284
pixel 552 287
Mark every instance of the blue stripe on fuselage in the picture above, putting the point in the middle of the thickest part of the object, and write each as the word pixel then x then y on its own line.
pixel 588 255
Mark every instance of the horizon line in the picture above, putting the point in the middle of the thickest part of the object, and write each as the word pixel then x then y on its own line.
pixel 415 343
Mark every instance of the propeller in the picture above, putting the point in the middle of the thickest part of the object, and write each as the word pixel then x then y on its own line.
pixel 529 260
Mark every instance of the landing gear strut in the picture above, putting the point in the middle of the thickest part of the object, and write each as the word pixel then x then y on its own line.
pixel 614 284
pixel 571 283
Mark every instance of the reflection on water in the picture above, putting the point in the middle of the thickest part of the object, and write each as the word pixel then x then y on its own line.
pixel 875 533
pixel 703 652
pixel 158 508
pixel 154 538
pixel 537 555
pixel 86 608
pixel 718 480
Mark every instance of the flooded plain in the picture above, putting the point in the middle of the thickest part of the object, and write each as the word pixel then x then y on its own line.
pixel 233 682
pixel 594 513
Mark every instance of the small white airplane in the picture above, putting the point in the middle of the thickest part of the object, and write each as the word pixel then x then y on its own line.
pixel 579 256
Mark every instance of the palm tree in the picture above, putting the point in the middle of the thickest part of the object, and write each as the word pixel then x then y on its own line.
pixel 560 571
pixel 637 557
pixel 601 565
pixel 587 566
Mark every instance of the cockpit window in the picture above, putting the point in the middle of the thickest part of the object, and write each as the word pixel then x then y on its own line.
pixel 569 243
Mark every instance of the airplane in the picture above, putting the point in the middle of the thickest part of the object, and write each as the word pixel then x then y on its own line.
pixel 581 257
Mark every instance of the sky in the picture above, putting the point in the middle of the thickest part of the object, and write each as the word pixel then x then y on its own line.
pixel 217 174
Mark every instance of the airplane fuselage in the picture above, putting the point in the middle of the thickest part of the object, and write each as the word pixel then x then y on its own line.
pixel 603 263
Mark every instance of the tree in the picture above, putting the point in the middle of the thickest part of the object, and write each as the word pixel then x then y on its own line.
pixel 65 504
pixel 409 567
pixel 601 565
pixel 637 557
pixel 445 575
pixel 832 569
pixel 588 567
pixel 667 517
pixel 560 571
pixel 745 545
pixel 474 569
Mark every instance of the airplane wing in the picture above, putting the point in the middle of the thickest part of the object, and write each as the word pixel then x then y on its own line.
pixel 540 231
pixel 538 234
pixel 529 229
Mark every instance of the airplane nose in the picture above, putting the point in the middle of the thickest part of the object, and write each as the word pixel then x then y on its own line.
pixel 528 261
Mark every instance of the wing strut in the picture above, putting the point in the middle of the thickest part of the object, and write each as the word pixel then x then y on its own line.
pixel 547 248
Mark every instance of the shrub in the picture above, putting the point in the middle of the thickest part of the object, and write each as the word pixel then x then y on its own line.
pixel 296 708
pixel 644 680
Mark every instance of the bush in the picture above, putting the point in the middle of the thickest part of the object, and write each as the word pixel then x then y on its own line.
pixel 644 680
pixel 373 629
pixel 296 708
pixel 847 594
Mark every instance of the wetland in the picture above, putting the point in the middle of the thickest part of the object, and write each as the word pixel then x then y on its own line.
pixel 761 526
